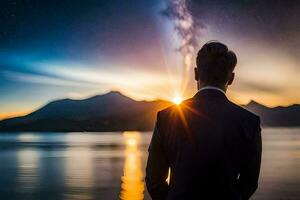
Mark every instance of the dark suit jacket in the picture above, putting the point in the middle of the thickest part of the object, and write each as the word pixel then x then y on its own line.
pixel 211 145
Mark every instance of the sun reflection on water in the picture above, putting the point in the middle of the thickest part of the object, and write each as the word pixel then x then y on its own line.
pixel 78 163
pixel 28 173
pixel 132 180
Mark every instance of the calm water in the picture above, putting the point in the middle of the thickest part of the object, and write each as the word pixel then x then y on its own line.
pixel 111 165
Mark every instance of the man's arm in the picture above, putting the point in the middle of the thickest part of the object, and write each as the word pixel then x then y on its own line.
pixel 157 167
pixel 248 180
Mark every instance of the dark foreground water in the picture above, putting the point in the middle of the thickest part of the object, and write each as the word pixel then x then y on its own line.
pixel 57 166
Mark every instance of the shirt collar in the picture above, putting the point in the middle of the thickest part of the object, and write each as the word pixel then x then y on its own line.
pixel 212 88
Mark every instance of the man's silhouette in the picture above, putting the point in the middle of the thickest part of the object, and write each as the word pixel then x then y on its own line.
pixel 211 145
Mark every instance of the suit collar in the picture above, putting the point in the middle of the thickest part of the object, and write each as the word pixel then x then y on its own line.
pixel 210 93
pixel 211 88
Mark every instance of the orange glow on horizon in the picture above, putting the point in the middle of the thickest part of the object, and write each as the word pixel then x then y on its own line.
pixel 172 95
pixel 13 114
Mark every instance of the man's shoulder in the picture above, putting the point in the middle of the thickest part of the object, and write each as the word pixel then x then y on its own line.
pixel 234 110
pixel 242 112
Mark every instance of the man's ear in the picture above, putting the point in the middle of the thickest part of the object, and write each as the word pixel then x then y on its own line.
pixel 196 74
pixel 231 78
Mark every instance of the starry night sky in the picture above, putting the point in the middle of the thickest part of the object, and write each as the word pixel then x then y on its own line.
pixel 71 48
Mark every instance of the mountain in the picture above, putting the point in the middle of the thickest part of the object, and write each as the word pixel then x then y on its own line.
pixel 109 112
pixel 115 112
pixel 277 116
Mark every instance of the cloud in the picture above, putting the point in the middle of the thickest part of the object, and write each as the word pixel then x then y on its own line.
pixel 41 79
pixel 251 86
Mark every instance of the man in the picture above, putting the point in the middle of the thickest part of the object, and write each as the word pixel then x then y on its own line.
pixel 211 145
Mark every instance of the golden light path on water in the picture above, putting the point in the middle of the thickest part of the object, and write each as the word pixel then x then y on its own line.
pixel 133 179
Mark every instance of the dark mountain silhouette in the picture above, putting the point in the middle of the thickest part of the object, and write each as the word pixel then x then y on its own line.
pixel 277 116
pixel 115 112
pixel 109 112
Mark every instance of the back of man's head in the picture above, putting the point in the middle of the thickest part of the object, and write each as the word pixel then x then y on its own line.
pixel 215 64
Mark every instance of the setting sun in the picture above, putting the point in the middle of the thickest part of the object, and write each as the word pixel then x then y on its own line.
pixel 177 100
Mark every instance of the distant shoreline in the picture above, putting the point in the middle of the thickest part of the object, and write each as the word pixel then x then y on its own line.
pixel 114 111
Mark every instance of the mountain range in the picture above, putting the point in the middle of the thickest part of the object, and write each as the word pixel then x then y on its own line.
pixel 114 111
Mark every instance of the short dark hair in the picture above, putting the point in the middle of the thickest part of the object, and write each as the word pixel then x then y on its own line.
pixel 215 63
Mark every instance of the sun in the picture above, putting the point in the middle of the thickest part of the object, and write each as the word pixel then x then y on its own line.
pixel 177 100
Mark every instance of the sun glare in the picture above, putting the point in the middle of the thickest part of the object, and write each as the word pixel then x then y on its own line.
pixel 131 141
pixel 177 100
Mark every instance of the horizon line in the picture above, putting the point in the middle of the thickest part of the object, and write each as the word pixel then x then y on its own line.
pixel 11 115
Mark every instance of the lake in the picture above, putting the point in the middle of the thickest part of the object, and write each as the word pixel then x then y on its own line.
pixel 66 166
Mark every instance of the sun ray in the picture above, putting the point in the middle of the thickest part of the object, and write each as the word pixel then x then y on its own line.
pixel 183 118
